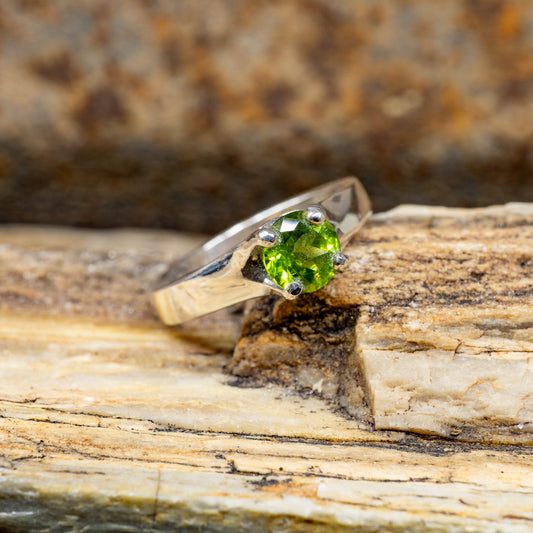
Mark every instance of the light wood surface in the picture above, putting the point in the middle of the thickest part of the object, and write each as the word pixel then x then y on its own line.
pixel 110 421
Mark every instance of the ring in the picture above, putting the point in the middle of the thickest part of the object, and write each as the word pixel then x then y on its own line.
pixel 291 248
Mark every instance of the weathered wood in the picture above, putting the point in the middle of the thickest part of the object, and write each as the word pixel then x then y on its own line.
pixel 443 338
pixel 109 420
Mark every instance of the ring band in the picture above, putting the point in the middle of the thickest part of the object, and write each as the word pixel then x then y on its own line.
pixel 234 266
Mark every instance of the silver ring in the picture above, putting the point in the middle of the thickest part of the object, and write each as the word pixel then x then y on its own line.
pixel 234 266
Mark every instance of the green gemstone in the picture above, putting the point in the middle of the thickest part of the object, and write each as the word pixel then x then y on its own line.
pixel 303 251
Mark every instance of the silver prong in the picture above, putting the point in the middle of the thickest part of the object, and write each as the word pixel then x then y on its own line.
pixel 267 237
pixel 293 290
pixel 315 214
pixel 339 261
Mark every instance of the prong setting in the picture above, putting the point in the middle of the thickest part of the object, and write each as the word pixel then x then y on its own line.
pixel 267 237
pixel 293 290
pixel 339 261
pixel 315 215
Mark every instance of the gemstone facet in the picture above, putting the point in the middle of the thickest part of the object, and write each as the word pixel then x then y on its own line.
pixel 303 251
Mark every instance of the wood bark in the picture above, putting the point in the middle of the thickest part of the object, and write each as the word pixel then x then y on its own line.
pixel 429 330
pixel 111 421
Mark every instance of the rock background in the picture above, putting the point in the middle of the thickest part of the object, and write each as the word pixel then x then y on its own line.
pixel 193 114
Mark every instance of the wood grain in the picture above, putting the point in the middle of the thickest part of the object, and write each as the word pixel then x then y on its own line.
pixel 111 421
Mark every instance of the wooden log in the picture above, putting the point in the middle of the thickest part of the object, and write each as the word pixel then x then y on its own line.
pixel 111 421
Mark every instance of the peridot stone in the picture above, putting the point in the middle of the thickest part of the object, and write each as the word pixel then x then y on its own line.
pixel 303 251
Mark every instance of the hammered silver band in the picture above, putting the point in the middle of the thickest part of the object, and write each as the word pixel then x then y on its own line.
pixel 227 270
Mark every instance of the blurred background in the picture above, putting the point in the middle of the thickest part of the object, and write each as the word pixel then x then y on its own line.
pixel 191 114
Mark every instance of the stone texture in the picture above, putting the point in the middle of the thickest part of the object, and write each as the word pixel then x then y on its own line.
pixel 428 330
pixel 155 114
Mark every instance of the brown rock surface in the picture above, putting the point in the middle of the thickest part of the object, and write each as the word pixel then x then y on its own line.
pixel 193 114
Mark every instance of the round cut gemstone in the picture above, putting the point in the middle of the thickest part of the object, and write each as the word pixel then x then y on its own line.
pixel 303 251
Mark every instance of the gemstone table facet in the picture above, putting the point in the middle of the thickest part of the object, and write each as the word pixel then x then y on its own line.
pixel 303 251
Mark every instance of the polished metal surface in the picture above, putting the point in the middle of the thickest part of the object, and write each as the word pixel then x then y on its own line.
pixel 228 268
